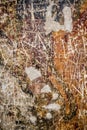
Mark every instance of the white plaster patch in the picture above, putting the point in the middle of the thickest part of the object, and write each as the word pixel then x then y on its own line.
pixel 3 18
pixel 49 116
pixel 50 24
pixel 52 107
pixel 53 26
pixel 33 119
pixel 32 73
pixel 67 18
pixel 55 96
pixel 46 89
pixel 4 86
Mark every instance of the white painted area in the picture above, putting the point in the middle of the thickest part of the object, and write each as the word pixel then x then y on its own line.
pixel 55 96
pixel 46 89
pixel 49 116
pixel 50 24
pixel 4 86
pixel 49 9
pixel 33 119
pixel 67 18
pixel 32 73
pixel 3 18
pixel 85 75
pixel 7 86
pixel 52 107
pixel 32 12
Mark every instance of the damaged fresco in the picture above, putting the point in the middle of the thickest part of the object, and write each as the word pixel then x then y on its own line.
pixel 43 64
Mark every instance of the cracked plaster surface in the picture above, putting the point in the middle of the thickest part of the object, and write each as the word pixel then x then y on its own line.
pixel 43 66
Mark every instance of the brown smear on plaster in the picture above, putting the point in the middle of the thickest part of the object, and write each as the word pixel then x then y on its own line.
pixel 65 62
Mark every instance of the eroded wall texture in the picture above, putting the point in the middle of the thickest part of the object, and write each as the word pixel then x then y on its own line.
pixel 43 64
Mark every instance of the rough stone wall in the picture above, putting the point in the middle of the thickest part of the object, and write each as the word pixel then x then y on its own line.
pixel 43 64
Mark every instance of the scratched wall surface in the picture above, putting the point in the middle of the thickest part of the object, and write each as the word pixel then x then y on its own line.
pixel 43 64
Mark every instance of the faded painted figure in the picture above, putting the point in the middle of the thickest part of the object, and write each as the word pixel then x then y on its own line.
pixel 54 25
